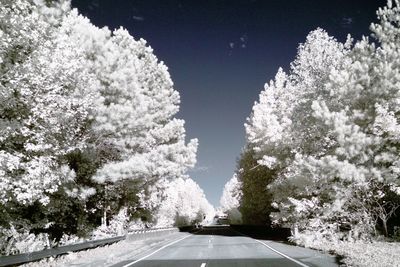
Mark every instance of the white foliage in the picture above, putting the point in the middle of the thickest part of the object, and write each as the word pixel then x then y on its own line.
pixel 118 226
pixel 45 97
pixel 67 86
pixel 330 130
pixel 14 242
pixel 73 82
pixel 230 200
pixel 183 200
pixel 135 108
pixel 231 194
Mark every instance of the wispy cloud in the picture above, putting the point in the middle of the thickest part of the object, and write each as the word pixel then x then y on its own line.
pixel 138 18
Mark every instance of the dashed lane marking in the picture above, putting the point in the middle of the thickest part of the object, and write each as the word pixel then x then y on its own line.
pixel 203 264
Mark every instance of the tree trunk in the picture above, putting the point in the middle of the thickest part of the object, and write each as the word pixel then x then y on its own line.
pixel 384 223
pixel 104 218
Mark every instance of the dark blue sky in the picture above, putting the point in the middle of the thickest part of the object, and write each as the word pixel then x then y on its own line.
pixel 220 53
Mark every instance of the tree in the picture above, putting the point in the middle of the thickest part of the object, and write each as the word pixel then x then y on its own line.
pixel 46 96
pixel 365 127
pixel 267 126
pixel 282 125
pixel 183 203
pixel 87 123
pixel 231 198
pixel 44 86
pixel 256 199
pixel 134 137
pixel 329 129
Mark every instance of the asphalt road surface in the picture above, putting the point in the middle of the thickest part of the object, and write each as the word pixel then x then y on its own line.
pixel 222 246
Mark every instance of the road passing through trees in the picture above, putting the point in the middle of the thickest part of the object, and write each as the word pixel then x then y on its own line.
pixel 223 246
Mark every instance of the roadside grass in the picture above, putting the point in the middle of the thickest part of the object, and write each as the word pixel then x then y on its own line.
pixel 363 254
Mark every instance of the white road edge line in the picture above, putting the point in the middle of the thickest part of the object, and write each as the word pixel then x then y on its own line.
pixel 203 264
pixel 283 255
pixel 154 252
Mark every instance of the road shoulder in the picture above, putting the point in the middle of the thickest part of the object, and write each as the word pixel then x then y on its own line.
pixel 307 256
pixel 109 255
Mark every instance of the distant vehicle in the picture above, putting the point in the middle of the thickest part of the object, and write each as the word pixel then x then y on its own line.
pixel 221 219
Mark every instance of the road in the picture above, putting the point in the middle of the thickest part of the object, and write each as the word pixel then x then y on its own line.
pixel 223 246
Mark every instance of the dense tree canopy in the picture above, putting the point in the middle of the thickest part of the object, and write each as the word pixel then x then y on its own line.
pixel 183 203
pixel 87 122
pixel 327 131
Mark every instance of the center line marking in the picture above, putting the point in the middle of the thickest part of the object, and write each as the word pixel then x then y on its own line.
pixel 203 264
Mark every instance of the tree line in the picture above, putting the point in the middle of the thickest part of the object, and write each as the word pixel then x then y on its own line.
pixel 322 143
pixel 88 132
